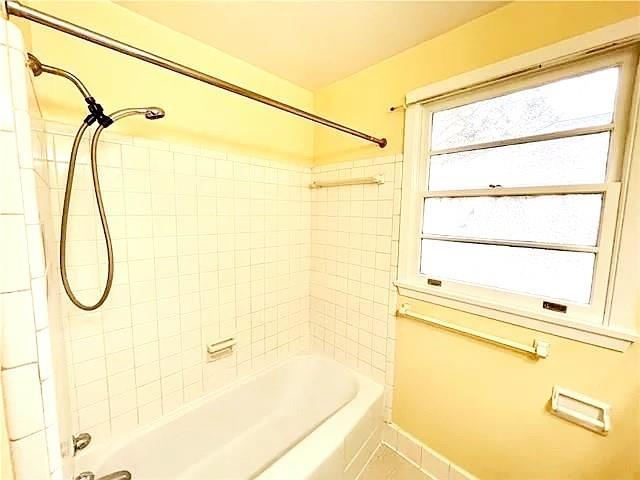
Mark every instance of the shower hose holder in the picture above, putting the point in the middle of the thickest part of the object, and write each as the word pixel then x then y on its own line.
pixel 96 113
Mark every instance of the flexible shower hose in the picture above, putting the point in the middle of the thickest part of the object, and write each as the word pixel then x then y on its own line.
pixel 103 218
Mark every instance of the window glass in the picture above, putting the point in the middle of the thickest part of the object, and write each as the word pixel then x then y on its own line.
pixel 547 273
pixel 575 102
pixel 564 161
pixel 571 219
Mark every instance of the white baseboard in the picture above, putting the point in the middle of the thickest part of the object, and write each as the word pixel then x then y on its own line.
pixel 436 466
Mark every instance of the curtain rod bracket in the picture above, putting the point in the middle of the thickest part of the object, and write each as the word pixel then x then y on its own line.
pixel 12 7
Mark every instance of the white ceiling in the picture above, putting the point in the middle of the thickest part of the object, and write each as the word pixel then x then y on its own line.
pixel 311 43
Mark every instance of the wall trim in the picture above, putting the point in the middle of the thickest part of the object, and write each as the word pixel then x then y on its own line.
pixel 593 334
pixel 621 32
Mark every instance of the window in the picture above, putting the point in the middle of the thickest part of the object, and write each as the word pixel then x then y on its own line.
pixel 514 195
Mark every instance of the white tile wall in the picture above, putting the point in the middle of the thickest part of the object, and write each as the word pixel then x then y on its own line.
pixel 354 244
pixel 207 246
pixel 432 463
pixel 26 363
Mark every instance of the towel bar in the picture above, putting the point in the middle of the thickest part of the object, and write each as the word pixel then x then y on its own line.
pixel 376 179
pixel 539 349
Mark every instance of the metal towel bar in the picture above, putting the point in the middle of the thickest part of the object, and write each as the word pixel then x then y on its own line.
pixel 539 349
pixel 377 179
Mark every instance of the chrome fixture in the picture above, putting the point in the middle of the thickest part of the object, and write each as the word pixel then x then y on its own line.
pixel 19 10
pixel 96 115
pixel 38 68
pixel 80 441
pixel 119 475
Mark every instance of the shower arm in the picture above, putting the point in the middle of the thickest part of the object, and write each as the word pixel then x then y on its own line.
pixel 15 8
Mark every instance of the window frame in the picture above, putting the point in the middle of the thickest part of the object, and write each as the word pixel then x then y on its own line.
pixel 585 323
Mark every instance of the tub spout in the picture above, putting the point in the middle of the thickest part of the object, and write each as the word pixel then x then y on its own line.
pixel 119 475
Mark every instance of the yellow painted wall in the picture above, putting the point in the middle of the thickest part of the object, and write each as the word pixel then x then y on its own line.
pixel 485 407
pixel 196 113
pixel 363 99
pixel 481 406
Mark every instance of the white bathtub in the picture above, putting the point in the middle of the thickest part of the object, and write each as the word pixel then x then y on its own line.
pixel 308 417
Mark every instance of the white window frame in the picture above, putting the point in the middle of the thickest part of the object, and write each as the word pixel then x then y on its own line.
pixel 604 322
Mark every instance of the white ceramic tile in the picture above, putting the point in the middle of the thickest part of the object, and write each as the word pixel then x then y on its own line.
pixel 92 393
pixel 29 198
pixel 149 412
pixel 40 307
pixel 45 357
pixel 19 346
pixel 36 251
pixel 124 423
pixel 122 403
pixel 24 139
pixel 17 64
pixel 168 217
pixel 53 448
pixel 30 458
pixel 355 439
pixel 93 415
pixel 10 189
pixel 49 402
pixel 409 447
pixel 23 401
pixel 6 103
pixel 434 464
pixel 390 435
pixel 14 36
pixel 365 453
pixel 457 473
pixel 14 270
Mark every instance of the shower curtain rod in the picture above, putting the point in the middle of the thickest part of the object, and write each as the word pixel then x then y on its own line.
pixel 19 10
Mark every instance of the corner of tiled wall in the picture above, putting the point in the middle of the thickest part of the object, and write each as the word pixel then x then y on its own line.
pixel 436 466
pixel 26 362
pixel 354 257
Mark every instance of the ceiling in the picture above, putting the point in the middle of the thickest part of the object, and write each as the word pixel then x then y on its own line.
pixel 311 43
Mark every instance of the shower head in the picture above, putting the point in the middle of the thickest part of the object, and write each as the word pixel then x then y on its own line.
pixel 150 113
pixel 154 113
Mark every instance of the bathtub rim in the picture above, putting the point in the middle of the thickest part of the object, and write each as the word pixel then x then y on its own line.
pixel 95 457
pixel 330 437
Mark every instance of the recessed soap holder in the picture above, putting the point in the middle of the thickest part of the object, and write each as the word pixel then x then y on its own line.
pixel 220 348
pixel 582 410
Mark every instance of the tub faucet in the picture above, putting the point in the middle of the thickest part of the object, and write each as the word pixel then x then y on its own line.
pixel 119 475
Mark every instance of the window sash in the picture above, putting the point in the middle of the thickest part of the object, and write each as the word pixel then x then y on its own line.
pixel 574 132
pixel 590 313
pixel 605 189
pixel 418 147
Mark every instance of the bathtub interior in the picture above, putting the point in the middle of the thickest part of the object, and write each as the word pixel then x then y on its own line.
pixel 237 433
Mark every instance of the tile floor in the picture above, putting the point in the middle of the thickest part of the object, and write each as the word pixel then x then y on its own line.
pixel 388 465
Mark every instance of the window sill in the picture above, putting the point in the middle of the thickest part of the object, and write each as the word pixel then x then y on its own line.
pixel 601 336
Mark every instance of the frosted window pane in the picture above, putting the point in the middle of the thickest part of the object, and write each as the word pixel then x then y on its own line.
pixel 565 219
pixel 546 273
pixel 565 161
pixel 582 101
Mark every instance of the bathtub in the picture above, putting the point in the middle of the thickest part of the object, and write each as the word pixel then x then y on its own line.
pixel 305 418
